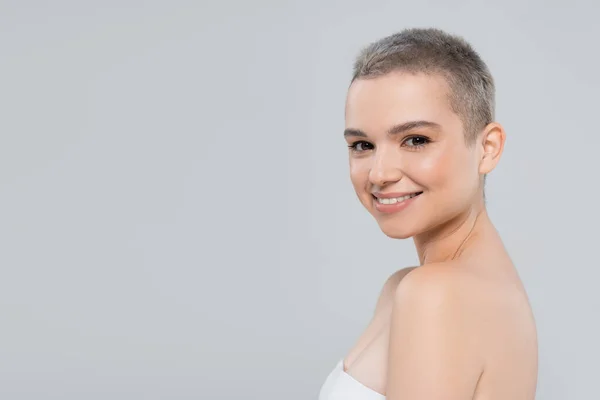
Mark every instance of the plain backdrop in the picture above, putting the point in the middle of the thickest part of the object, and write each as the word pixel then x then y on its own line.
pixel 176 216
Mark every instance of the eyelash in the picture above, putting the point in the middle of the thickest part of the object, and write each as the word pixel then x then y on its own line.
pixel 416 147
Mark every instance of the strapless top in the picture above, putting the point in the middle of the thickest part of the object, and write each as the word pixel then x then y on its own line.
pixel 339 385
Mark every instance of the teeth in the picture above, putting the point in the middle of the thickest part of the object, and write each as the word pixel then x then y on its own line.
pixel 395 200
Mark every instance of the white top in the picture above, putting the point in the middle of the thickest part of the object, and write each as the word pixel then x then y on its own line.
pixel 339 385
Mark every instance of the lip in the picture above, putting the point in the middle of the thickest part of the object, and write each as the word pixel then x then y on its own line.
pixel 394 208
pixel 392 195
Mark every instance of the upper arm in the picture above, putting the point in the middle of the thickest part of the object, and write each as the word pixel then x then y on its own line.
pixel 434 352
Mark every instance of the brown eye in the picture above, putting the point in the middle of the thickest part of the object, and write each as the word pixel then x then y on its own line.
pixel 360 146
pixel 417 141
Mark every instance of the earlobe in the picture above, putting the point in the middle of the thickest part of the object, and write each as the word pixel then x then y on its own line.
pixel 486 166
pixel 483 165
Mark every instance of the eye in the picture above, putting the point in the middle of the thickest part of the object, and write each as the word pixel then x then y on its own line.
pixel 360 146
pixel 417 141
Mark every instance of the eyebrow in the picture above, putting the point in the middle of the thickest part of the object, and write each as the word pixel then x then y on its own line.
pixel 396 129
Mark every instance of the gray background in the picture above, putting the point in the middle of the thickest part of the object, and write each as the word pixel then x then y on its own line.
pixel 176 217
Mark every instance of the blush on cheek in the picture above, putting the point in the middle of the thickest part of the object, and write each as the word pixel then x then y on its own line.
pixel 432 171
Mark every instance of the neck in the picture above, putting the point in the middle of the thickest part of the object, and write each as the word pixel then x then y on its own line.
pixel 449 240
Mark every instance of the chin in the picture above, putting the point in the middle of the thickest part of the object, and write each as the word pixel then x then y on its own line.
pixel 395 231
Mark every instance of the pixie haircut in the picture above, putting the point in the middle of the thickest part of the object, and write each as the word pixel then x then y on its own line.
pixel 433 51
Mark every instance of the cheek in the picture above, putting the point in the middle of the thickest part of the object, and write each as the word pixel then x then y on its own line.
pixel 449 172
pixel 430 170
pixel 359 173
pixel 444 173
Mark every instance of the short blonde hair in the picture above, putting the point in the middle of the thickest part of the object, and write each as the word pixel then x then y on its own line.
pixel 433 51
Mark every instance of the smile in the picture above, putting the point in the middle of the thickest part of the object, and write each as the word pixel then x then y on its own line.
pixel 390 205
pixel 394 200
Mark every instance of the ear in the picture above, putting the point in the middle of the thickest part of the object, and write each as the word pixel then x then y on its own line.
pixel 492 144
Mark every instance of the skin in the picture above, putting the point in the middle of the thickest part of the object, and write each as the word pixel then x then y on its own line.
pixel 458 326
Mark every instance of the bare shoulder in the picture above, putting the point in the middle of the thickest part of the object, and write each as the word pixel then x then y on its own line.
pixel 495 311
pixel 449 293
pixel 389 288
pixel 464 285
pixel 435 277
pixel 434 336
pixel 419 280
pixel 456 286
pixel 463 328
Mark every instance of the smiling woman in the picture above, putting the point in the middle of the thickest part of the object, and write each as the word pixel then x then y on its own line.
pixel 422 138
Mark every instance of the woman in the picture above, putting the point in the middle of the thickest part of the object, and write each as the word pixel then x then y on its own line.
pixel 421 135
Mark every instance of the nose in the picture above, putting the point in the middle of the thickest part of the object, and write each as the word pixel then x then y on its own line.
pixel 385 168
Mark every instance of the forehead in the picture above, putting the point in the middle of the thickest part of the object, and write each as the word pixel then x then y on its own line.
pixel 378 103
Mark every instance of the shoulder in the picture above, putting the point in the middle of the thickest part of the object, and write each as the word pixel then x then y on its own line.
pixel 430 284
pixel 434 335
pixel 421 281
pixel 434 282
pixel 392 282
pixel 388 289
pixel 443 297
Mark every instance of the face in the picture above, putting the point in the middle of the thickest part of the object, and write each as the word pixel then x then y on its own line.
pixel 409 163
